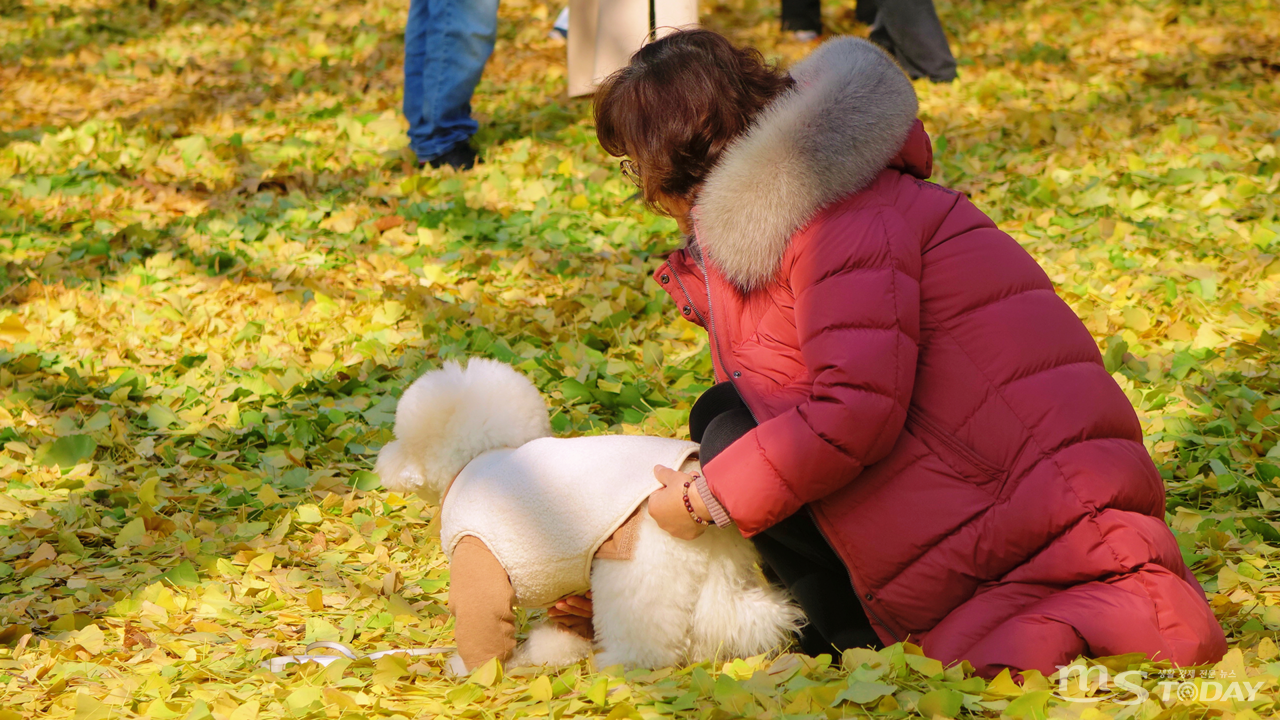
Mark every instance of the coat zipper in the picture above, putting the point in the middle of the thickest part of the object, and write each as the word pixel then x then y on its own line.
pixel 865 607
pixel 715 342
pixel 688 299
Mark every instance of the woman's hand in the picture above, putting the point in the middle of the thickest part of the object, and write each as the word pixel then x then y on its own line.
pixel 574 614
pixel 666 506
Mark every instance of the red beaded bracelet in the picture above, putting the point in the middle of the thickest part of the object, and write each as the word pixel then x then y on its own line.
pixel 688 504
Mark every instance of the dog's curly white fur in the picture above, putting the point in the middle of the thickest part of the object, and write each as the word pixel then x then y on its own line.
pixel 674 601
pixel 449 417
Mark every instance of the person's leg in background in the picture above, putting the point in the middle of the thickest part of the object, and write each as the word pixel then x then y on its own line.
pixel 446 45
pixel 802 17
pixel 912 32
pixel 796 555
pixel 864 11
pixel 415 66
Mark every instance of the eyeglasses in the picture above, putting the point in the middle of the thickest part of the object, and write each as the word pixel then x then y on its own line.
pixel 630 172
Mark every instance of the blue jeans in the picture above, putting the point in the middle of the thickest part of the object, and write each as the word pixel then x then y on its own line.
pixel 446 44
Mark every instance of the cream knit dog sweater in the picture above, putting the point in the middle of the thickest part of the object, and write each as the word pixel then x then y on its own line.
pixel 544 508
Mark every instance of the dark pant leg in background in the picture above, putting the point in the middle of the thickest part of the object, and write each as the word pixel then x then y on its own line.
pixel 802 15
pixel 865 11
pixel 800 557
pixel 795 553
pixel 912 32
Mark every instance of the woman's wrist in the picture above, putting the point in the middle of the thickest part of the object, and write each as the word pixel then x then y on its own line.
pixel 695 498
pixel 709 504
pixel 693 502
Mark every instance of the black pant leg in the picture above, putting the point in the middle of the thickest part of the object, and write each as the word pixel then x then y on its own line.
pixel 865 11
pixel 799 556
pixel 720 398
pixel 802 15
pixel 723 430
pixel 911 30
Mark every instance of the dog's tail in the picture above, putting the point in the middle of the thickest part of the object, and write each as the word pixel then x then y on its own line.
pixel 450 416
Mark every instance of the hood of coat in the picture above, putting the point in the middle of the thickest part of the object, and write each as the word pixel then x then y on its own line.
pixel 843 122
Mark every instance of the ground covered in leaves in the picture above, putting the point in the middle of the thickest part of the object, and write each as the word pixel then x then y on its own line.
pixel 221 268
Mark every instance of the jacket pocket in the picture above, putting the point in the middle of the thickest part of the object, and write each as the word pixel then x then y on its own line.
pixel 955 453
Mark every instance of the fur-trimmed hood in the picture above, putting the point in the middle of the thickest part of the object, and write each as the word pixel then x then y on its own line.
pixel 846 118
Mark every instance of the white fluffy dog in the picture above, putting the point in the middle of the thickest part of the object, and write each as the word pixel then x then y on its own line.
pixel 478 440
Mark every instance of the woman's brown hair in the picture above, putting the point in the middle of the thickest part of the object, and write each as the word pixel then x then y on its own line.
pixel 678 104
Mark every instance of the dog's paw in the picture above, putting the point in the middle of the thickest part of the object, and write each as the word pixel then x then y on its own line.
pixel 549 644
pixel 606 658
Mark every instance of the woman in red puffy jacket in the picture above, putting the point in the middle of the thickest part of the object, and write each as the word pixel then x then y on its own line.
pixel 914 428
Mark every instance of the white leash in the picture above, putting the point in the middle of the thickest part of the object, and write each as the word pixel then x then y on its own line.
pixel 277 664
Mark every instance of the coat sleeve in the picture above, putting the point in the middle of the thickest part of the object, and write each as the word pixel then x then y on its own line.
pixel 857 310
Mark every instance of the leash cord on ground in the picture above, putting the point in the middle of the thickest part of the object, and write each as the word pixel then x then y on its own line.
pixel 276 664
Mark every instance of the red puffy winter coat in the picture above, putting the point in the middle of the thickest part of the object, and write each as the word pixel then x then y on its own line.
pixel 923 391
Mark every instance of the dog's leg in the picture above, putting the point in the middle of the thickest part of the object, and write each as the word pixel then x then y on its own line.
pixel 643 606
pixel 550 644
pixel 737 613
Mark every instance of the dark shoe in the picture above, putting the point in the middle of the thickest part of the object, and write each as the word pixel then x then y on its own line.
pixel 458 157
pixel 804 36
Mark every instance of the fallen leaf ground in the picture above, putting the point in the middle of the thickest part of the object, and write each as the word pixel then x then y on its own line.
pixel 221 268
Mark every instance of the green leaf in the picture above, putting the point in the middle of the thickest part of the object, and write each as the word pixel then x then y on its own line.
pixel 304 697
pixel 730 696
pixel 540 689
pixel 1030 706
pixel 1263 529
pixel 863 692
pixel 192 148
pixel 90 708
pixel 1113 358
pixel 250 331
pixel 388 669
pixel 943 702
pixel 160 416
pixel 596 693
pixel 576 392
pixel 1185 176
pixel 971 685
pixel 464 694
pixel 487 674
pixel 623 710
pixel 926 666
pixel 131 533
pixel 365 480
pixel 184 575
pixel 67 452
pixel 318 628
